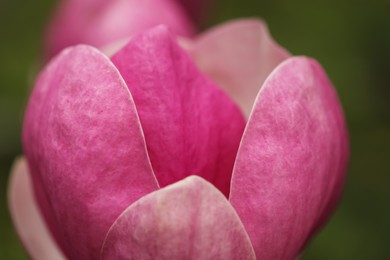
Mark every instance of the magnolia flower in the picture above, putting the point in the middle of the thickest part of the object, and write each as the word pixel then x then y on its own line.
pixel 100 22
pixel 141 156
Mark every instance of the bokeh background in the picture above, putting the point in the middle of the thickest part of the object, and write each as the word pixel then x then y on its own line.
pixel 351 38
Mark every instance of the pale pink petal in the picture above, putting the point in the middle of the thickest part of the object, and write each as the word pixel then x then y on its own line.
pixel 238 56
pixel 100 22
pixel 291 163
pixel 190 125
pixel 110 49
pixel 85 149
pixel 190 219
pixel 26 216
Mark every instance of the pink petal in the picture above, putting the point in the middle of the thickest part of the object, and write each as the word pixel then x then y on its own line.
pixel 99 22
pixel 190 125
pixel 187 220
pixel 238 56
pixel 291 163
pixel 26 216
pixel 198 9
pixel 85 149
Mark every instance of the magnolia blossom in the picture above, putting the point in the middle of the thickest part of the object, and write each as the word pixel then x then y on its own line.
pixel 141 156
pixel 100 22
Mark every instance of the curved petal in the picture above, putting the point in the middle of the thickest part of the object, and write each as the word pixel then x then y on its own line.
pixel 190 125
pixel 100 22
pixel 238 56
pixel 85 149
pixel 27 218
pixel 190 219
pixel 291 163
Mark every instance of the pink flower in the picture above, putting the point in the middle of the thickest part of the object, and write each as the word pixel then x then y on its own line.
pixel 99 22
pixel 140 156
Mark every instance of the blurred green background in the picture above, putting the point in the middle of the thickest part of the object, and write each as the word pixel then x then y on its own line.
pixel 351 39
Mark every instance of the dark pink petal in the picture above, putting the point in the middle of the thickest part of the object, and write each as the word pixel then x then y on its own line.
pixel 190 219
pixel 198 9
pixel 100 22
pixel 238 55
pixel 85 149
pixel 291 163
pixel 190 125
pixel 26 216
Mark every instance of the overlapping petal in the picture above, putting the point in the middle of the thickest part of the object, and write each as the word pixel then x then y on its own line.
pixel 238 56
pixel 190 125
pixel 85 149
pixel 27 217
pixel 100 22
pixel 291 162
pixel 190 219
